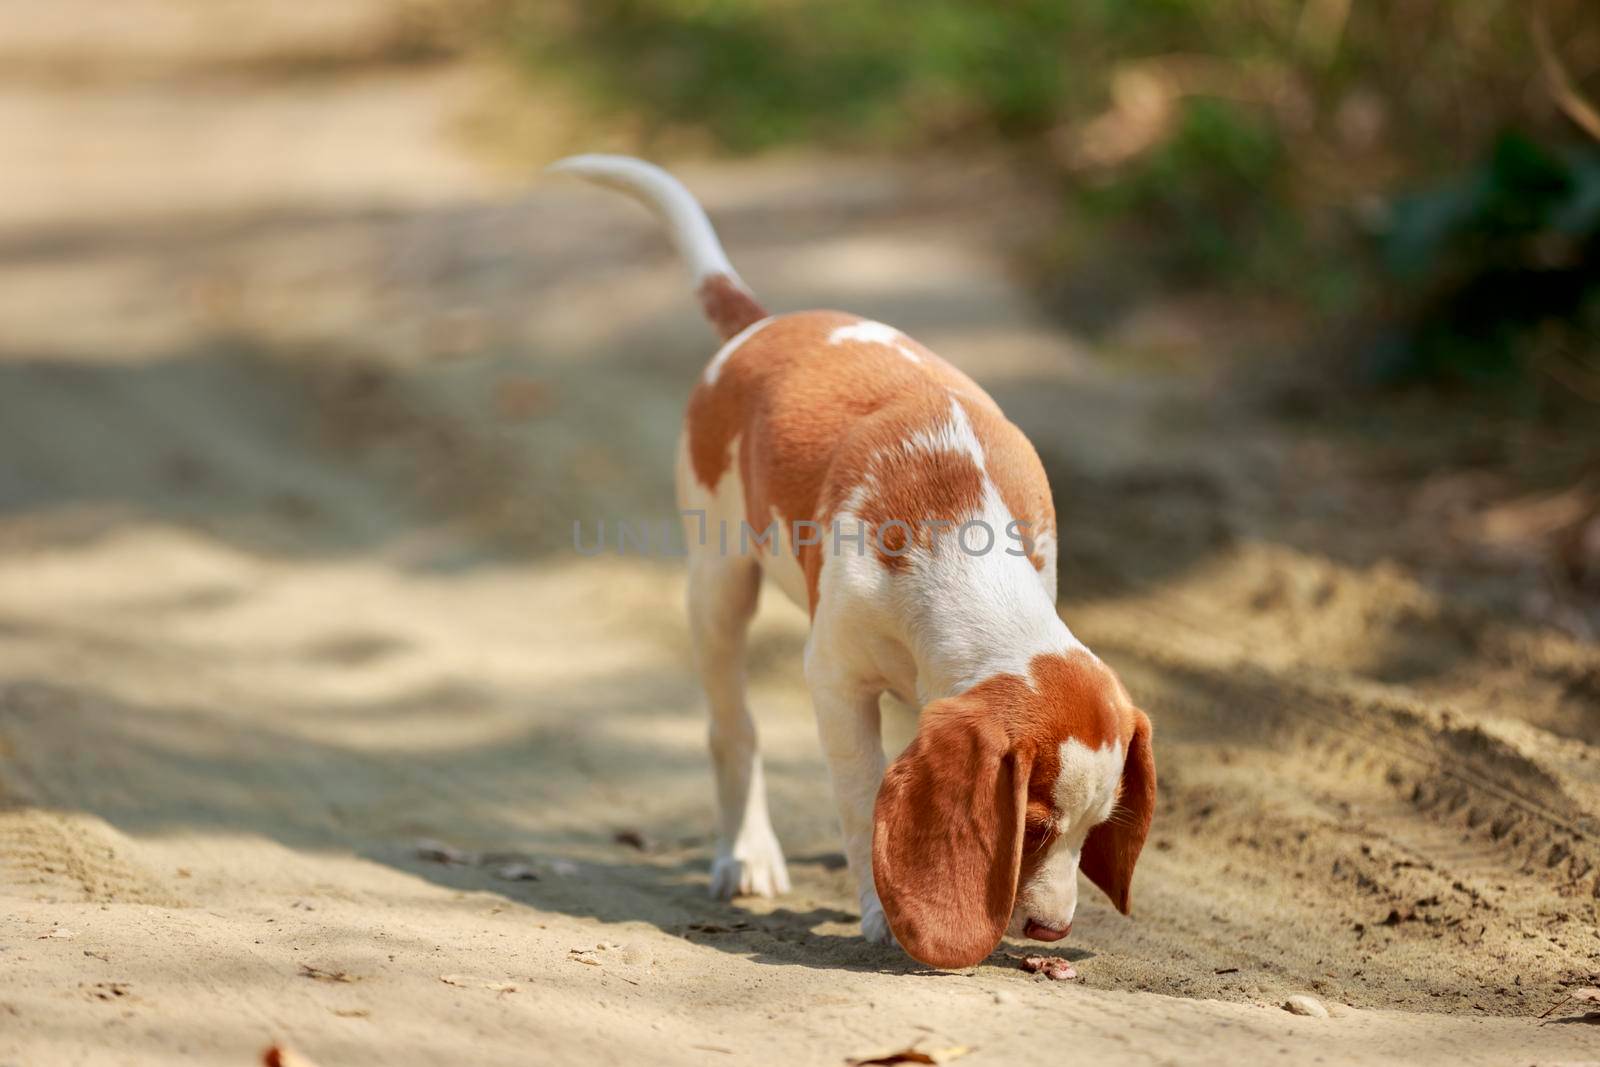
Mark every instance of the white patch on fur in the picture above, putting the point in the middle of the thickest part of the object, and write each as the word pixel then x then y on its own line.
pixel 1086 788
pixel 867 332
pixel 1085 796
pixel 722 506
pixel 714 368
pixel 873 333
pixel 956 435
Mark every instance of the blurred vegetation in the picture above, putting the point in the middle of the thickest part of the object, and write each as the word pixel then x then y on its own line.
pixel 1506 257
pixel 1404 165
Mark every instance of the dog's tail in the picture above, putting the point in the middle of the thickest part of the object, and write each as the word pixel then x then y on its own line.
pixel 724 298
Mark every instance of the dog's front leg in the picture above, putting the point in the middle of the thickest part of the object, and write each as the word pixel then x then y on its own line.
pixel 852 743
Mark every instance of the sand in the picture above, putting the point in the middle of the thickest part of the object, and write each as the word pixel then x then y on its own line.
pixel 314 729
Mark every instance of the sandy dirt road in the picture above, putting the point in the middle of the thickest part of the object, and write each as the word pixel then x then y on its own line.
pixel 298 402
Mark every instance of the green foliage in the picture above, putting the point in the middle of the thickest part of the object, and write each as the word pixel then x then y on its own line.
pixel 1210 201
pixel 757 73
pixel 729 68
pixel 1492 255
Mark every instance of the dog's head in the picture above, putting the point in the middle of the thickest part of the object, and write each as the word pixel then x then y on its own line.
pixel 1007 791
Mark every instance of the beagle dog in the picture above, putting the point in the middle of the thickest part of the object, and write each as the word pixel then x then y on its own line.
pixel 884 492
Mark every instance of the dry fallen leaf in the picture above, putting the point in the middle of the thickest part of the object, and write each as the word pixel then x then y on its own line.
pixel 279 1056
pixel 1052 967
pixel 912 1054
pixel 319 974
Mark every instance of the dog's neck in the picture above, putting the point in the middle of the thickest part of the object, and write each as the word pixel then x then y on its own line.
pixel 973 618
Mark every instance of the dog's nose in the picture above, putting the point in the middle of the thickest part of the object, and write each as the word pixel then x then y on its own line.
pixel 1040 932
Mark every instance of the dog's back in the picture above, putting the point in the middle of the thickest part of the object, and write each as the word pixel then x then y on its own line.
pixel 836 415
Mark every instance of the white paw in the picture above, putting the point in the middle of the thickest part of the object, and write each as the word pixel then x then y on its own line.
pixel 875 924
pixel 751 869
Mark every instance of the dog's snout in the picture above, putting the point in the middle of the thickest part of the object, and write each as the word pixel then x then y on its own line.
pixel 1040 932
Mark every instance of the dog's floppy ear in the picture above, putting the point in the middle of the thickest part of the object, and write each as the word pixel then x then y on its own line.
pixel 1113 847
pixel 947 839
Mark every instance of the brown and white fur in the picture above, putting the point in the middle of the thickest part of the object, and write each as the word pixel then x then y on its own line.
pixel 1030 762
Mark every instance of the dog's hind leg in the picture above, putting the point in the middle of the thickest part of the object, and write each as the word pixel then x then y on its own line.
pixel 722 599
